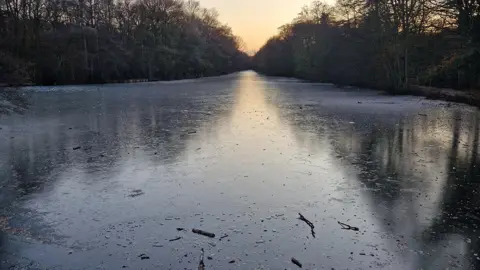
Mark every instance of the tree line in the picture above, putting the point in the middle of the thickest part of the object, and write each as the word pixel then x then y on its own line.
pixel 96 41
pixel 388 44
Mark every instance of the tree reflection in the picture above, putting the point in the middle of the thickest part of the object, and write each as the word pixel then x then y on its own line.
pixel 460 209
pixel 111 124
pixel 420 171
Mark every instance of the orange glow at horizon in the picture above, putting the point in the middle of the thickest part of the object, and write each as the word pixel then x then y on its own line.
pixel 255 20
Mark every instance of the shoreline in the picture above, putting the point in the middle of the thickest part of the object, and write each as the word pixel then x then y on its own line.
pixel 126 81
pixel 469 97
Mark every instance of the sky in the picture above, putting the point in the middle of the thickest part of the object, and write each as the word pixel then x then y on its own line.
pixel 255 20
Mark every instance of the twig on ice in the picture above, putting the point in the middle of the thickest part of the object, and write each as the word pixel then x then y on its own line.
pixel 208 234
pixel 348 227
pixel 309 223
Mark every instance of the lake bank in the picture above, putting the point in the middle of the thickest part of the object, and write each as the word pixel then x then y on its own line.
pixel 446 94
pixel 469 97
